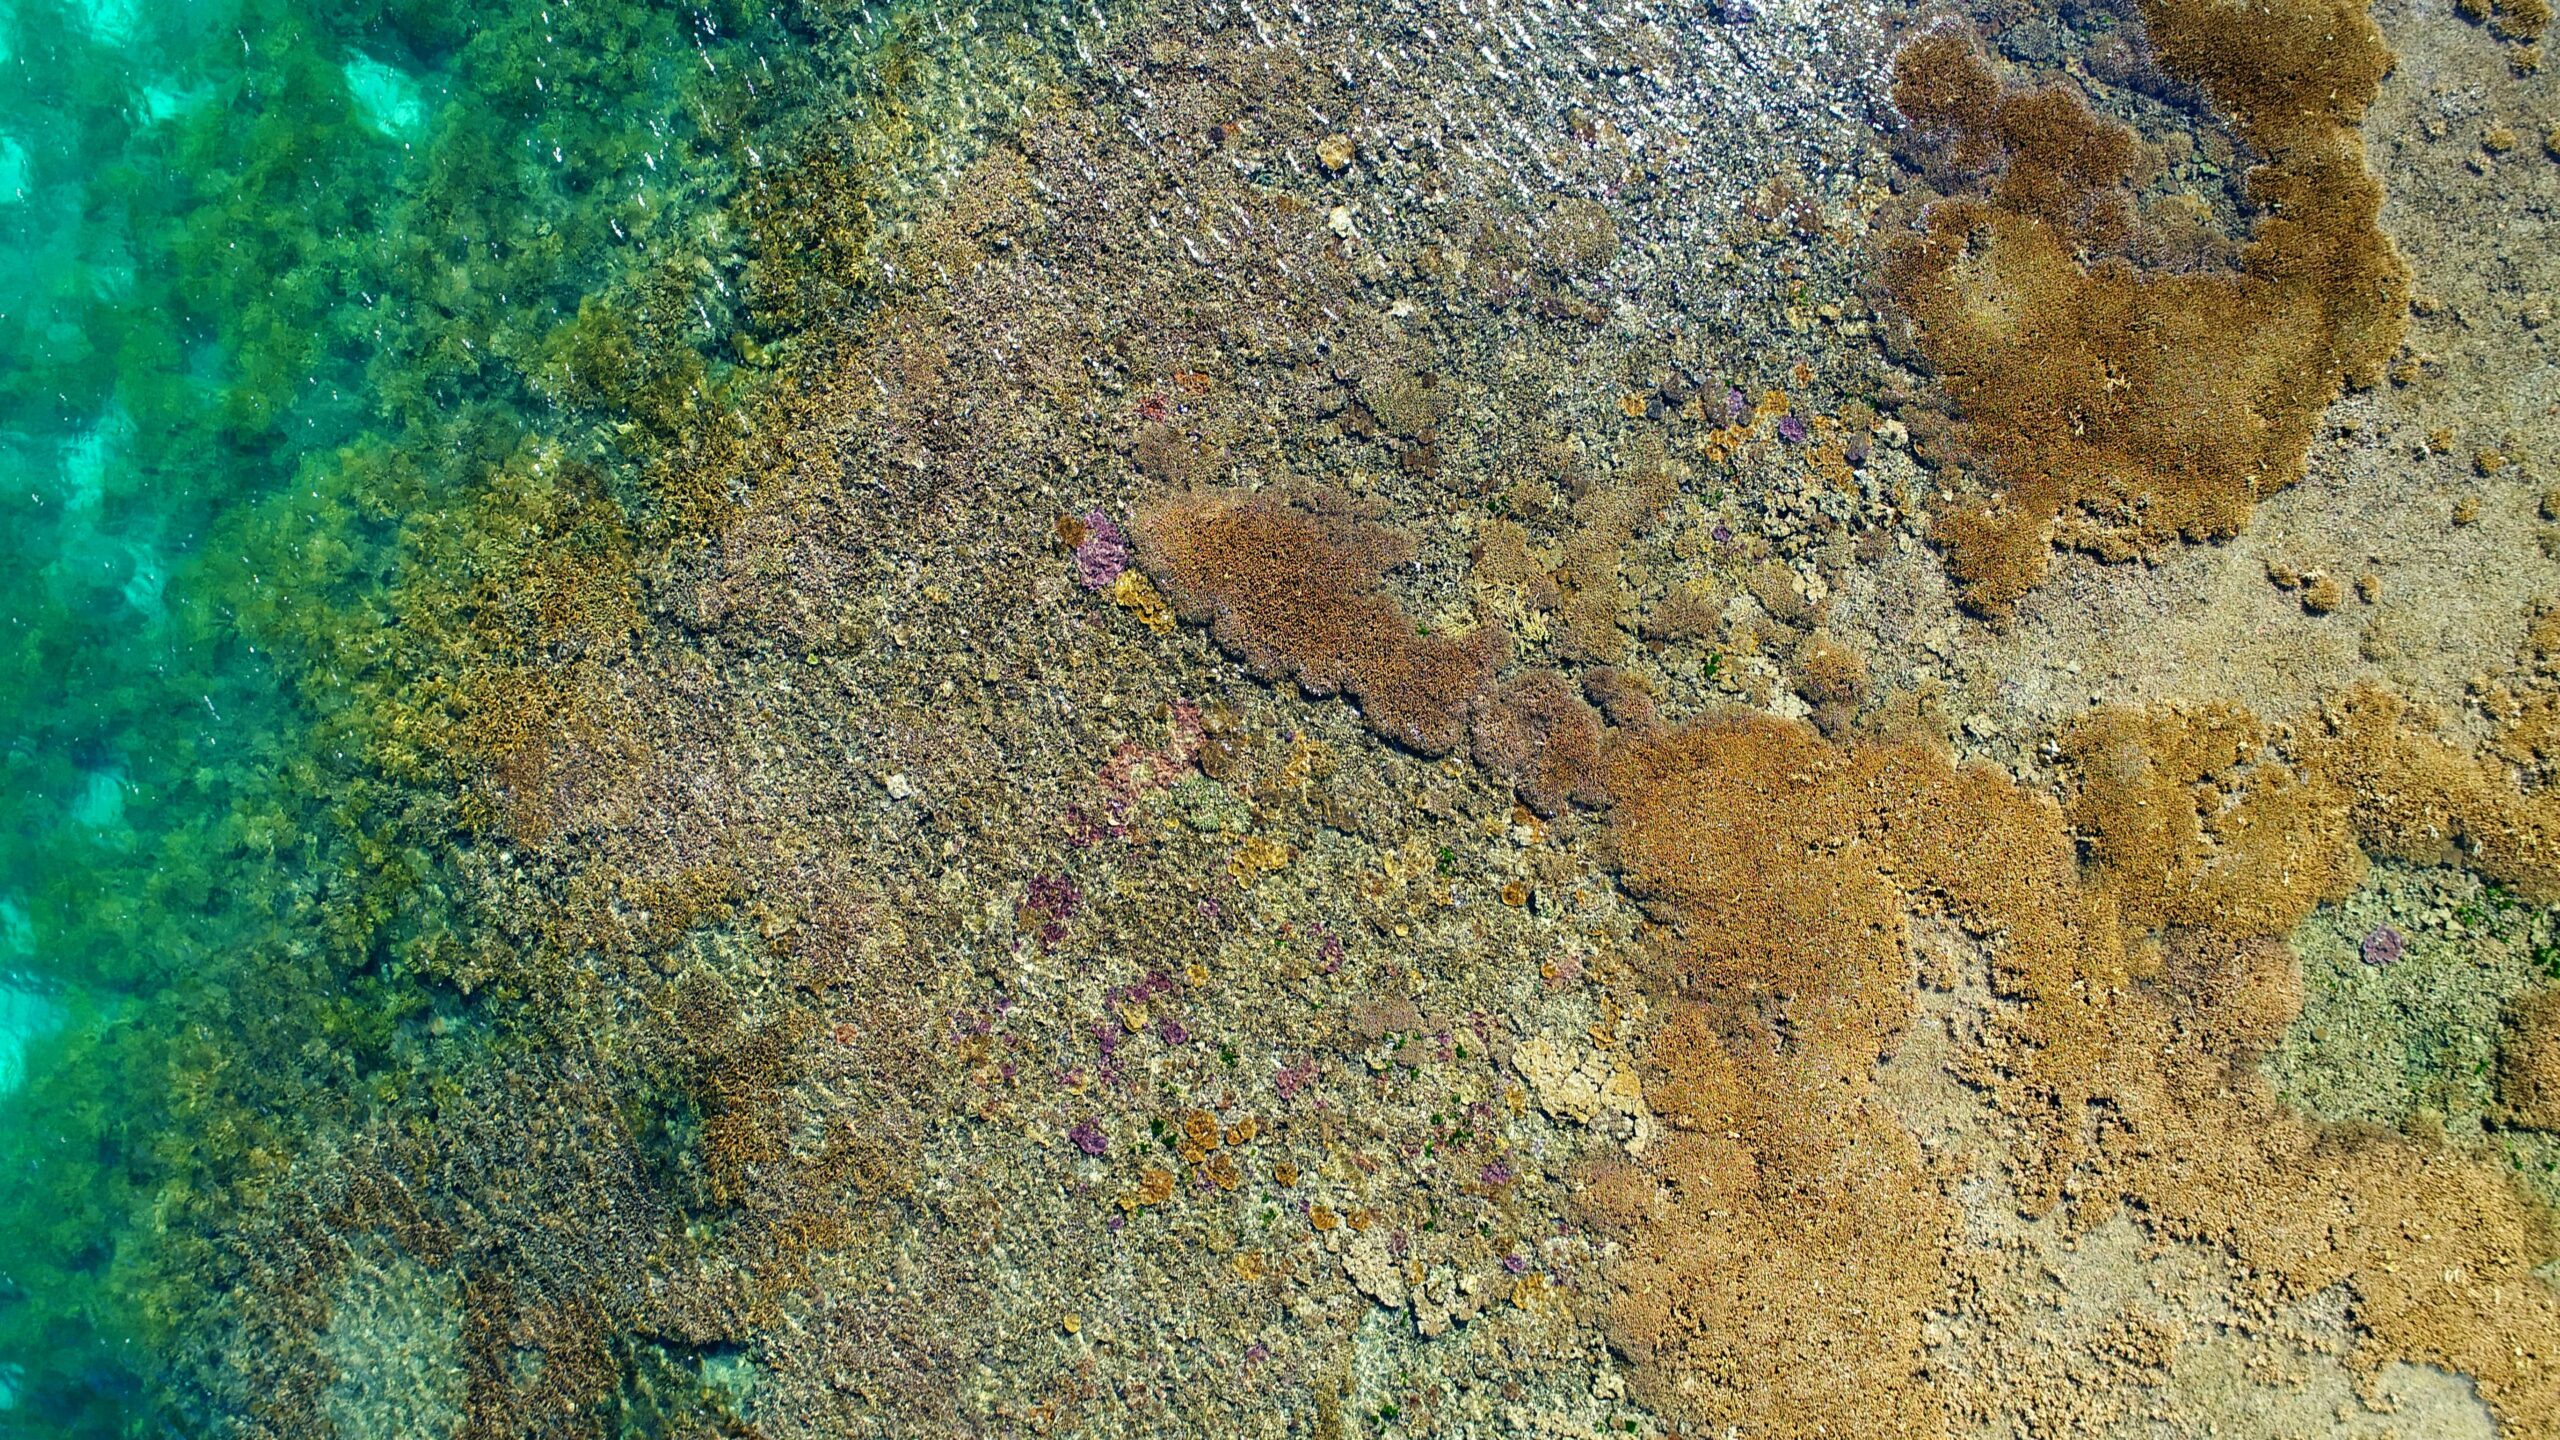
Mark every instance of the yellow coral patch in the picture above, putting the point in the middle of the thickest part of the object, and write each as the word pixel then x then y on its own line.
pixel 1255 858
pixel 1134 593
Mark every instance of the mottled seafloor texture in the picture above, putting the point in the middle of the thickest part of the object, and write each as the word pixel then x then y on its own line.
pixel 1301 719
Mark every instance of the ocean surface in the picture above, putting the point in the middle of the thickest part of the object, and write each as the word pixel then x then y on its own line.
pixel 817 718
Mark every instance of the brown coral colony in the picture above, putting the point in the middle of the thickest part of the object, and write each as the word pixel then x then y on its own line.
pixel 2108 405
pixel 1297 595
pixel 1295 592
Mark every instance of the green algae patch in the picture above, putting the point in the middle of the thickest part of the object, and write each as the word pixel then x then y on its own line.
pixel 2408 987
pixel 339 494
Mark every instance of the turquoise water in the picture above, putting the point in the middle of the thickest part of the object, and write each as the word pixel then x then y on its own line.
pixel 322 325
pixel 287 285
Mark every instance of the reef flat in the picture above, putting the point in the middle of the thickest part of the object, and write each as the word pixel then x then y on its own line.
pixel 1347 719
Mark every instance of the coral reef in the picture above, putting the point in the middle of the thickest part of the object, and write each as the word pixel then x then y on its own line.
pixel 1593 600
pixel 1297 594
pixel 1295 591
pixel 1540 737
pixel 2520 20
pixel 2107 407
pixel 2192 823
pixel 761 922
pixel 2204 815
pixel 1790 878
pixel 1786 1241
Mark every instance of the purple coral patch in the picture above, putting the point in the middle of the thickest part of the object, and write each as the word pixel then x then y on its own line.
pixel 1103 553
pixel 1791 429
pixel 1048 902
pixel 1088 1137
pixel 2383 946
pixel 1052 895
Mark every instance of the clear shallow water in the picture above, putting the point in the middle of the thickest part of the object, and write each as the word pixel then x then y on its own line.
pixel 282 280
pixel 349 356
pixel 318 323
